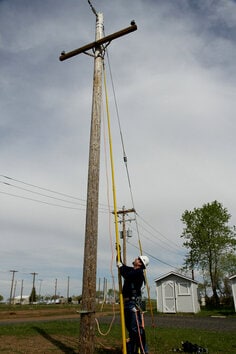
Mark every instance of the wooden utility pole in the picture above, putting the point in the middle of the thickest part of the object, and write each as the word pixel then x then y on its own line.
pixel 55 293
pixel 12 283
pixel 68 288
pixel 123 212
pixel 34 274
pixel 14 293
pixel 21 291
pixel 87 322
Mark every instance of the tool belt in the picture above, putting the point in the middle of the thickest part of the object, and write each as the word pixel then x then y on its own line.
pixel 130 298
pixel 139 303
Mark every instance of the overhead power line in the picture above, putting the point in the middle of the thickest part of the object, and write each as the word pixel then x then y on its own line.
pixel 40 201
pixel 157 259
pixel 42 188
pixel 157 231
pixel 82 203
pixel 102 207
pixel 156 240
pixel 44 195
pixel 92 8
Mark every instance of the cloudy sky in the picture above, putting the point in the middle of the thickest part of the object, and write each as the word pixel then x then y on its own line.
pixel 175 85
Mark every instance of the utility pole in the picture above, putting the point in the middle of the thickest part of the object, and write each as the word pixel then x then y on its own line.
pixel 12 283
pixel 87 321
pixel 55 294
pixel 14 293
pixel 34 274
pixel 123 212
pixel 21 291
pixel 104 290
pixel 68 288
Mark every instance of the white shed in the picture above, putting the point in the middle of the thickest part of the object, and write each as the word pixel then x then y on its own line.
pixel 233 283
pixel 21 300
pixel 177 293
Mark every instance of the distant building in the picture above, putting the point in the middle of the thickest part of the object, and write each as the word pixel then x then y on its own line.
pixel 233 284
pixel 177 293
pixel 21 300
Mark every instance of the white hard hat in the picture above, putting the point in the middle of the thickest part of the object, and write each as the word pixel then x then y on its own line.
pixel 144 260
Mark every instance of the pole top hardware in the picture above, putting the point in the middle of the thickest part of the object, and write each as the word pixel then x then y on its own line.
pixel 106 39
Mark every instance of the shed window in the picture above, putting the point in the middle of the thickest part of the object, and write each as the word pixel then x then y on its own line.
pixel 183 289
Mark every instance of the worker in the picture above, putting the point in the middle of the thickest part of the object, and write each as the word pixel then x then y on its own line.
pixel 131 290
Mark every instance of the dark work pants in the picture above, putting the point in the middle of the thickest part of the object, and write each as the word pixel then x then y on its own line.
pixel 133 323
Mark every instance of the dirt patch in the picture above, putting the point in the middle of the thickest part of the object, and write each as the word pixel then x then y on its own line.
pixel 39 344
pixel 29 313
pixel 45 343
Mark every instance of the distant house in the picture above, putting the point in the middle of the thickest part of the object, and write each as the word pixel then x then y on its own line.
pixel 233 283
pixel 21 300
pixel 177 293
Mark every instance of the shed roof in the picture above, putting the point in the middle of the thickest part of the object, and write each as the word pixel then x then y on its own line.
pixel 177 275
pixel 232 277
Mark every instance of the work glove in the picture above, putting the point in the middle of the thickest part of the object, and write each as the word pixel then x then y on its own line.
pixel 119 264
pixel 118 250
pixel 134 309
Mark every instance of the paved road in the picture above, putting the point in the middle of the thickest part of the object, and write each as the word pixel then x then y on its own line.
pixel 166 321
pixel 209 323
pixel 191 321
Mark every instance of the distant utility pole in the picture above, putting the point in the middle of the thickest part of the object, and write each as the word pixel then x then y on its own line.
pixel 104 290
pixel 68 288
pixel 124 212
pixel 55 295
pixel 12 283
pixel 14 293
pixel 87 322
pixel 34 274
pixel 21 291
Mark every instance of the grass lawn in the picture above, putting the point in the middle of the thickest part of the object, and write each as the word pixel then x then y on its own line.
pixel 61 336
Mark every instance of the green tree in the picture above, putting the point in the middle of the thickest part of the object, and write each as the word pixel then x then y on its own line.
pixel 228 264
pixel 32 297
pixel 209 239
pixel 1 298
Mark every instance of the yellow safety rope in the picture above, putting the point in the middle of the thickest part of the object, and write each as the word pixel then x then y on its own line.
pixel 131 194
pixel 116 219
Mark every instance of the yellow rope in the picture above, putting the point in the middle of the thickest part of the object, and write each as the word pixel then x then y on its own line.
pixel 131 194
pixel 116 219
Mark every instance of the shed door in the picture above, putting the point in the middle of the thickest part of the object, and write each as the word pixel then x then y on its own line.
pixel 169 304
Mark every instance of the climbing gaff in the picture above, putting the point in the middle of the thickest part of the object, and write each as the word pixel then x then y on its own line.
pixel 122 316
